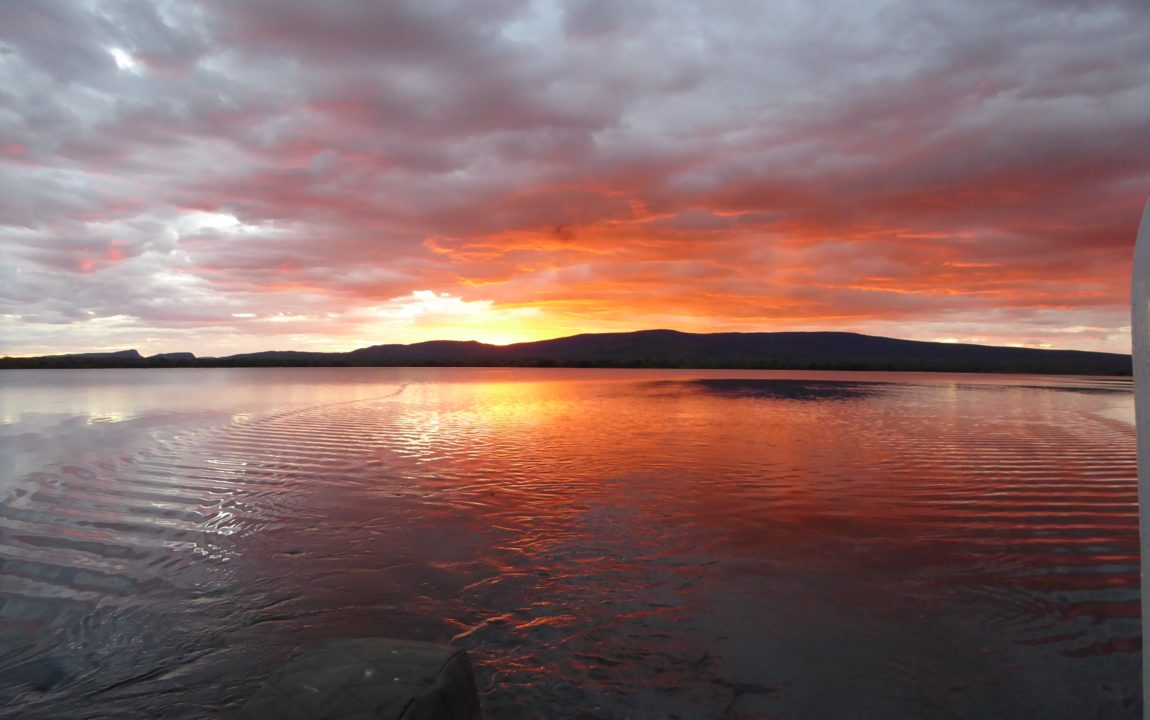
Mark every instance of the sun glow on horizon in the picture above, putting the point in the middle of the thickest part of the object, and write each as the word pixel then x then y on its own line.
pixel 424 315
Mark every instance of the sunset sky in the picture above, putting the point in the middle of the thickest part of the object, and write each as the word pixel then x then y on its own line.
pixel 223 176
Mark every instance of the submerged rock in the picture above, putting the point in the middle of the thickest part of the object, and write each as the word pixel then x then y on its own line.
pixel 374 678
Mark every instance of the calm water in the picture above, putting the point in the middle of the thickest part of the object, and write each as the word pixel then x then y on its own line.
pixel 615 544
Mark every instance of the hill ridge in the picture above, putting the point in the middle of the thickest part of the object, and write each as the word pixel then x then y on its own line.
pixel 656 348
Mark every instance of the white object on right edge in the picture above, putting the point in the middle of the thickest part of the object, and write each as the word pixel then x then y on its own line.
pixel 1140 331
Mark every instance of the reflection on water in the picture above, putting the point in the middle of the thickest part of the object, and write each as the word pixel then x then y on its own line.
pixel 782 389
pixel 604 543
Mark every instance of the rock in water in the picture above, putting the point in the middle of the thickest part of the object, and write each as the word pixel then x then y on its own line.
pixel 376 678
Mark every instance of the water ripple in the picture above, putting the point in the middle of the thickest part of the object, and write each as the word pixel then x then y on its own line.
pixel 700 547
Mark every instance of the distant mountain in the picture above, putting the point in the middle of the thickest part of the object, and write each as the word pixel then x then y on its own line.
pixel 127 355
pixel 781 350
pixel 656 349
pixel 173 357
pixel 118 358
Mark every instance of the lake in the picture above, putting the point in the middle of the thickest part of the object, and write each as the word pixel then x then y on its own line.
pixel 604 543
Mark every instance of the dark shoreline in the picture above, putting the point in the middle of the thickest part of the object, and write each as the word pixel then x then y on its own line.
pixel 649 349
pixel 33 364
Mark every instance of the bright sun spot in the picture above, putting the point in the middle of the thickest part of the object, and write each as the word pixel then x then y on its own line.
pixel 430 315
pixel 429 302
pixel 124 60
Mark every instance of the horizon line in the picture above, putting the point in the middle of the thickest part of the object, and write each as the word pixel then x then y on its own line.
pixel 581 334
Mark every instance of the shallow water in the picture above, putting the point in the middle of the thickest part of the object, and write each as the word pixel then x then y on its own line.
pixel 605 543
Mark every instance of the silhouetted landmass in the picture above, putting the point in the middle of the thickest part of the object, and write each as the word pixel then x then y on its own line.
pixel 121 358
pixel 653 349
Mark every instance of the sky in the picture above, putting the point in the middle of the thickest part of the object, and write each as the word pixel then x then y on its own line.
pixel 222 176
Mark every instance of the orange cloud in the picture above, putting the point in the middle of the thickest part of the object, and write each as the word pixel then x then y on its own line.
pixel 958 172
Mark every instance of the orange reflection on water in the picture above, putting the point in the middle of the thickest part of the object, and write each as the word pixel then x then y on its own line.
pixel 654 542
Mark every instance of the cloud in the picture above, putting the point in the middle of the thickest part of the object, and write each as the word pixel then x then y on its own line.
pixel 920 169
